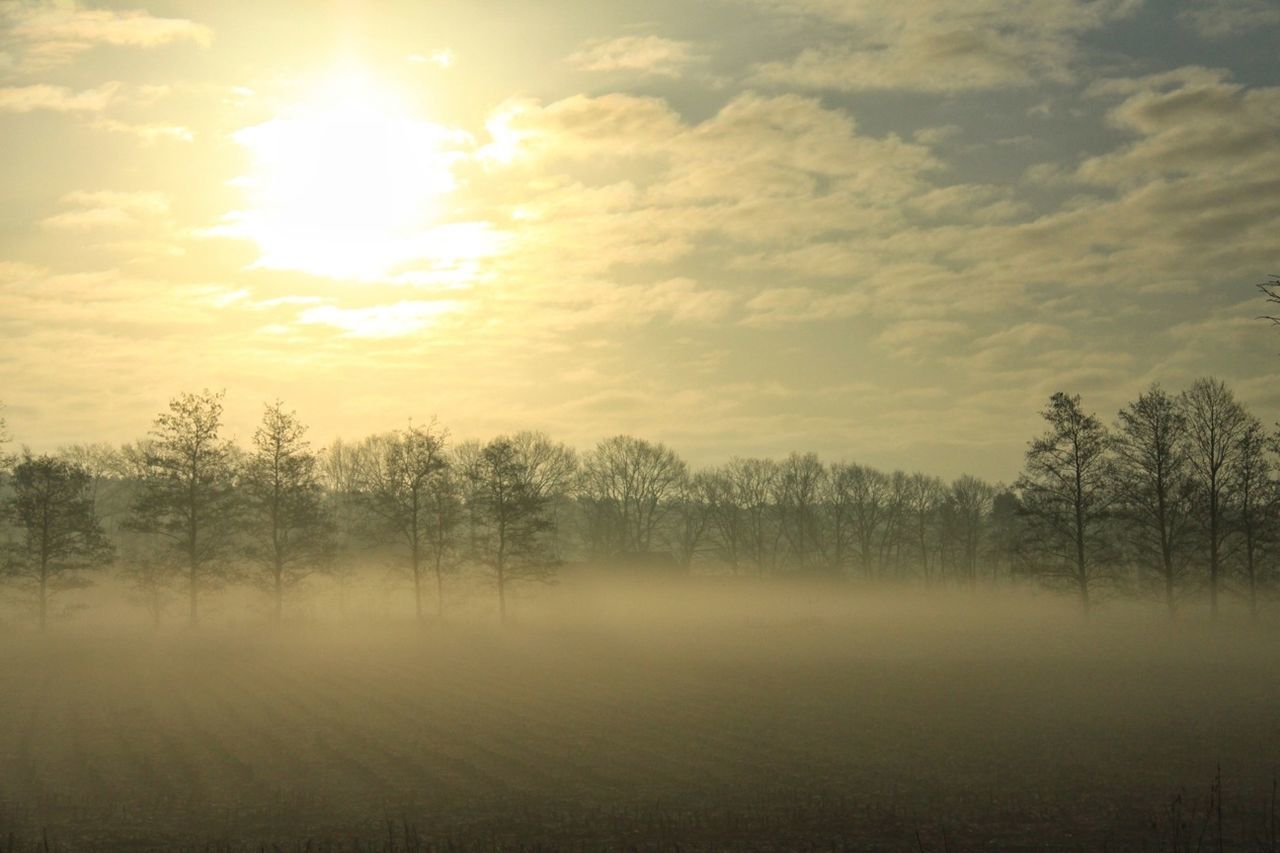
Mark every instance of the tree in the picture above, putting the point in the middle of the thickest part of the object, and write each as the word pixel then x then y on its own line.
pixel 1253 510
pixel 1215 422
pixel 59 537
pixel 1065 495
pixel 553 474
pixel 689 518
pixel 626 484
pixel 1153 488
pixel 925 495
pixel 797 492
pixel 444 515
pixel 970 500
pixel 5 438
pixel 290 534
pixel 723 515
pixel 187 496
pixel 148 567
pixel 1271 290
pixel 754 483
pixel 510 505
pixel 868 490
pixel 400 475
pixel 893 529
pixel 836 501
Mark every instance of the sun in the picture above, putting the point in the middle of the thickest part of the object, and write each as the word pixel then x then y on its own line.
pixel 347 182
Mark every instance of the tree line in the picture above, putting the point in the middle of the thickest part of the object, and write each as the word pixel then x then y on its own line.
pixel 1176 497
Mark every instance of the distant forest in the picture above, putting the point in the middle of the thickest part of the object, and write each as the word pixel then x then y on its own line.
pixel 1177 498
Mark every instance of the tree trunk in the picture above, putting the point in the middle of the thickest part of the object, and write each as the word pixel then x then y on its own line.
pixel 193 584
pixel 1213 551
pixel 417 588
pixel 502 595
pixel 439 592
pixel 44 593
pixel 279 579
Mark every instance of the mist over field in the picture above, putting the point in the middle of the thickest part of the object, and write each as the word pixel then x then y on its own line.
pixel 650 715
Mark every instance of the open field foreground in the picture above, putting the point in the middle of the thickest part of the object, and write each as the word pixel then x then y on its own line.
pixel 798 719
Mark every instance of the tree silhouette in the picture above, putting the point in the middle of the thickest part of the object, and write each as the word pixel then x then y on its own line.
pixel 1153 484
pixel 511 514
pixel 1066 497
pixel 1253 503
pixel 288 530
pixel 398 479
pixel 187 496
pixel 59 537
pixel 626 482
pixel 1215 423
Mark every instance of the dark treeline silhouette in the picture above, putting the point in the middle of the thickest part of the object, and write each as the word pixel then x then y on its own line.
pixel 1176 498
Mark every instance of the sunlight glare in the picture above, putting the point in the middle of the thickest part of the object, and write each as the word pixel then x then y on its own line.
pixel 345 183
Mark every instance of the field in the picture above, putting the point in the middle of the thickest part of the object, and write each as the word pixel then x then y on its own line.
pixel 680 718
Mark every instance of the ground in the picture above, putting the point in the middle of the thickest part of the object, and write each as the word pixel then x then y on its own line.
pixel 790 720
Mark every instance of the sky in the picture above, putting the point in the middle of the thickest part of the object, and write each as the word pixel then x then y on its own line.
pixel 885 231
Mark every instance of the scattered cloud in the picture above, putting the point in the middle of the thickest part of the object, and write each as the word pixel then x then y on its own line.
pixel 651 55
pixel 379 321
pixel 1220 19
pixel 937 47
pixel 41 96
pixel 108 209
pixel 47 34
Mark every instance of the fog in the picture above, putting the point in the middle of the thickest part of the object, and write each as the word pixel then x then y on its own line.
pixel 696 713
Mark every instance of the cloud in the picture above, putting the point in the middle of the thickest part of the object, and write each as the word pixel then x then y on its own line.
pixel 1220 19
pixel 379 321
pixel 442 58
pixel 938 47
pixel 25 99
pixel 785 305
pixel 149 134
pixel 109 210
pixel 649 55
pixel 912 338
pixel 45 34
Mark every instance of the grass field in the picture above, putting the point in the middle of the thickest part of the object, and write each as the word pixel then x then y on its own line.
pixel 815 720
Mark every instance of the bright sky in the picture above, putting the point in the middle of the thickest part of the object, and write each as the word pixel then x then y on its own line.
pixel 884 230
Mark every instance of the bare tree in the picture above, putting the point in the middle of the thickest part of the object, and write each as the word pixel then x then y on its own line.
pixel 1153 485
pixel 187 493
pixel 1066 497
pixel 868 491
pixel 837 501
pixel 5 459
pixel 797 493
pixel 924 497
pixel 1271 290
pixel 1215 423
pixel 626 483
pixel 1254 503
pixel 511 516
pixel 892 531
pixel 59 537
pixel 754 483
pixel 147 563
pixel 290 535
pixel 971 500
pixel 553 471
pixel 400 474
pixel 688 520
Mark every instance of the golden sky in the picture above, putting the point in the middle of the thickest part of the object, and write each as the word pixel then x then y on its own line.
pixel 882 230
